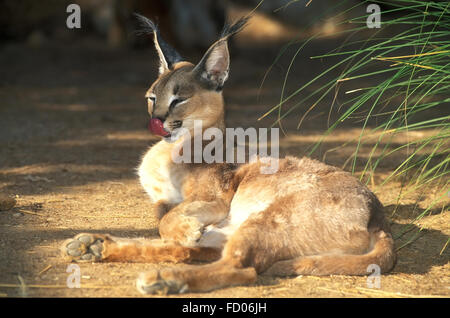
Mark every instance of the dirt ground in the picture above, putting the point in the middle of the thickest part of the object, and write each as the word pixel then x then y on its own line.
pixel 73 129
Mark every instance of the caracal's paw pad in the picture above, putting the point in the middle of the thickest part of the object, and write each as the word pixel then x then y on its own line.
pixel 152 283
pixel 84 247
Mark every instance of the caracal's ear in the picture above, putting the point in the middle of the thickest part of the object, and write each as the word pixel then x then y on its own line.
pixel 167 55
pixel 213 68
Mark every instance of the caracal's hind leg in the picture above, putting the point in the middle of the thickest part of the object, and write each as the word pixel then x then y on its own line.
pixel 382 255
pixel 184 224
pixel 101 247
pixel 238 266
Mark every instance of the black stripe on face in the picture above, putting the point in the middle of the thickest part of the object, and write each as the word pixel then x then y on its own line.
pixel 176 89
pixel 166 115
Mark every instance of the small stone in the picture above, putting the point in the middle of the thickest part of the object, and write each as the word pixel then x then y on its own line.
pixel 6 203
pixel 17 215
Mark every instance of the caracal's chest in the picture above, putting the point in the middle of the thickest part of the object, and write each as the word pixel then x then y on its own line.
pixel 160 176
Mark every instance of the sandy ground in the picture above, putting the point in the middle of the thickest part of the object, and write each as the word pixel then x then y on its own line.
pixel 73 129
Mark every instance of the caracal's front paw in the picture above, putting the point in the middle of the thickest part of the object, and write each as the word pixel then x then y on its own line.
pixel 186 232
pixel 84 247
pixel 191 231
pixel 160 283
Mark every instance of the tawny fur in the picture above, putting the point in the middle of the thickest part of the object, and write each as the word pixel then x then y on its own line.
pixel 308 218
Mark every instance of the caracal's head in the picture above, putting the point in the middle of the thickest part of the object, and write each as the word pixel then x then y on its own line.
pixel 185 92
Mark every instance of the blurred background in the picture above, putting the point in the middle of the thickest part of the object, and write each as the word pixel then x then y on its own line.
pixel 63 76
pixel 190 24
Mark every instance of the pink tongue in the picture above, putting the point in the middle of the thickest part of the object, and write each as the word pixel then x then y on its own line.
pixel 156 127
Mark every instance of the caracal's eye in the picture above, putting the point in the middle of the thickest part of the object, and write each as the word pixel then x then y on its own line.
pixel 150 103
pixel 175 102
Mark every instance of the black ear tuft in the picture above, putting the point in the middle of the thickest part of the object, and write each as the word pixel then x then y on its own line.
pixel 167 54
pixel 231 29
